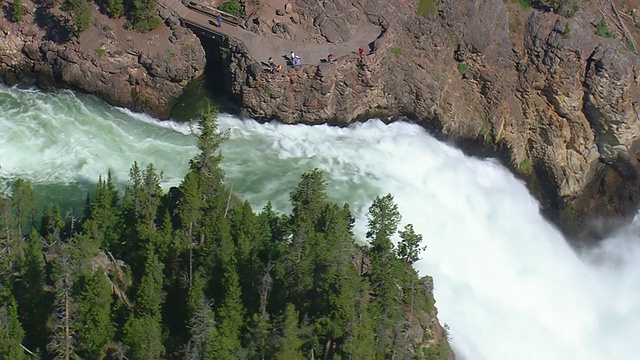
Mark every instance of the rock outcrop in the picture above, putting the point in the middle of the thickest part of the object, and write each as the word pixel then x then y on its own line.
pixel 543 92
pixel 143 72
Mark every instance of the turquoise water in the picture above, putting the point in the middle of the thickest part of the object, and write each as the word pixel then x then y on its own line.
pixel 505 280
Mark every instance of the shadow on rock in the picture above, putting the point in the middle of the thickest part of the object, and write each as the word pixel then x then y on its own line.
pixel 56 28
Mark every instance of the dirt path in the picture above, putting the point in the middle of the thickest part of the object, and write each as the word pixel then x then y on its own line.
pixel 262 47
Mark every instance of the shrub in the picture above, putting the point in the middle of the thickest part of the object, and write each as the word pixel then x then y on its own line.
pixel 603 30
pixel 144 16
pixel 100 52
pixel 566 33
pixel 17 10
pixel 427 7
pixel 525 166
pixel 462 67
pixel 232 7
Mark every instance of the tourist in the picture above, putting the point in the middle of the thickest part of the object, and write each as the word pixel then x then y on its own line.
pixel 331 58
pixel 270 60
pixel 292 57
pixel 219 21
pixel 298 61
pixel 361 51
pixel 279 67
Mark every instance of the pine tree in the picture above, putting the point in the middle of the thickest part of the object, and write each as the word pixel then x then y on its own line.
pixel 144 16
pixel 11 332
pixel 143 330
pixel 34 302
pixel 23 204
pixel 17 10
pixel 291 342
pixel 409 246
pixel 102 215
pixel 93 325
pixel 80 13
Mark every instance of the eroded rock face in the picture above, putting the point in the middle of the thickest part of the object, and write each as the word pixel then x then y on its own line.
pixel 541 91
pixel 123 68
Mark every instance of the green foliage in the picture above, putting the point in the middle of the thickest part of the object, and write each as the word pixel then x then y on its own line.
pixel 427 7
pixel 101 51
pixel 80 13
pixel 525 4
pixel 233 7
pixel 143 17
pixel 463 67
pixel 396 51
pixel 17 10
pixel 113 8
pixel 603 30
pixel 195 273
pixel 11 332
pixel 525 166
pixel 566 33
pixel 409 245
pixel 291 342
pixel 93 324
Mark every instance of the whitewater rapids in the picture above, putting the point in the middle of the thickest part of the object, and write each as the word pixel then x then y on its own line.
pixel 506 282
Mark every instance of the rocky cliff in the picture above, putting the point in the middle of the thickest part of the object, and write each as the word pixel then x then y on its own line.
pixel 554 96
pixel 144 72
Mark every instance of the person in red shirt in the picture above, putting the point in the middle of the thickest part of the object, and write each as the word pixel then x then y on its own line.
pixel 361 51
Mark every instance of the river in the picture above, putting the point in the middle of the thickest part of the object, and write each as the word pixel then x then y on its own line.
pixel 506 282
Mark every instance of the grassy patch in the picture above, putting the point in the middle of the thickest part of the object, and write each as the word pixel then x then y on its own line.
pixel 267 91
pixel 101 52
pixel 525 166
pixel 603 30
pixel 396 51
pixel 427 7
pixel 463 67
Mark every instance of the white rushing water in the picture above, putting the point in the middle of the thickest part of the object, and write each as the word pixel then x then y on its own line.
pixel 506 281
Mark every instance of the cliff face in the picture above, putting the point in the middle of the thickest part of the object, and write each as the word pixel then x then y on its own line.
pixel 540 90
pixel 144 72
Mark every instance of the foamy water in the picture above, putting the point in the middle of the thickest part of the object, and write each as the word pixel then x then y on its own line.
pixel 506 282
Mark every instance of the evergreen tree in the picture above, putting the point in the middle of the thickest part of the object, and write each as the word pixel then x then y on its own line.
pixel 23 204
pixel 11 333
pixel 291 341
pixel 17 10
pixel 102 216
pixel 52 224
pixel 409 245
pixel 143 16
pixel 114 8
pixel 80 13
pixel 34 302
pixel 143 330
pixel 93 325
